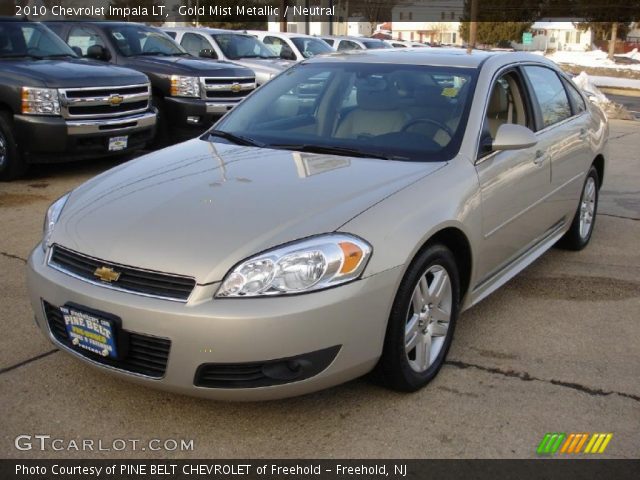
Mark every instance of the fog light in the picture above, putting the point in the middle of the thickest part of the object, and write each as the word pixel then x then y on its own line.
pixel 193 120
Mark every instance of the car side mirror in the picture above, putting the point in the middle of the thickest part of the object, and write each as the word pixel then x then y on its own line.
pixel 77 51
pixel 98 52
pixel 513 137
pixel 207 53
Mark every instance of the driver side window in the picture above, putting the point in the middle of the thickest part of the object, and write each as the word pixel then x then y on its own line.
pixel 82 38
pixel 507 104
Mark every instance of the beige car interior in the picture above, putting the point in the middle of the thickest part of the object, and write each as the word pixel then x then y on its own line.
pixel 505 105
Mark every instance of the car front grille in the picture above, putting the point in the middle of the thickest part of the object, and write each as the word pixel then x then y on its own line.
pixel 230 90
pixel 130 279
pixel 145 355
pixel 104 102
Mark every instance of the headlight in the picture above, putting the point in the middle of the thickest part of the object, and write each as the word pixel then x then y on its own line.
pixel 185 86
pixel 51 218
pixel 40 101
pixel 303 266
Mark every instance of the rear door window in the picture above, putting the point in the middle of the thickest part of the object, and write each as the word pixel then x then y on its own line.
pixel 194 43
pixel 550 95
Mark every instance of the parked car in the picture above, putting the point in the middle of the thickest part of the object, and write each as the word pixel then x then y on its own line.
pixel 293 46
pixel 404 44
pixel 354 43
pixel 299 245
pixel 228 45
pixel 55 106
pixel 189 93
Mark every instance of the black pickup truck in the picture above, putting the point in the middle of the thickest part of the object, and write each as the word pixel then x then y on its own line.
pixel 189 93
pixel 55 106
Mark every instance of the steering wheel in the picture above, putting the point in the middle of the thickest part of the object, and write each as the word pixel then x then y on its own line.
pixel 438 124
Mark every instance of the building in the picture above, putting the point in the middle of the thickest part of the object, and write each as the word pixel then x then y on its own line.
pixel 433 22
pixel 557 36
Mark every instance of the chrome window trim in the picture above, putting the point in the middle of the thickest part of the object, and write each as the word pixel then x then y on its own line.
pixel 61 269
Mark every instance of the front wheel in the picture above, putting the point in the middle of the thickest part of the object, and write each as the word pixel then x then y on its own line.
pixel 422 321
pixel 579 234
pixel 12 164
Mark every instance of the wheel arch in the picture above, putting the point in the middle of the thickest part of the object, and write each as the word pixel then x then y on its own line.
pixel 457 241
pixel 598 163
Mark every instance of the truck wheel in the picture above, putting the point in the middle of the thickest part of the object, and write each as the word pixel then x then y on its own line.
pixel 162 131
pixel 422 321
pixel 12 165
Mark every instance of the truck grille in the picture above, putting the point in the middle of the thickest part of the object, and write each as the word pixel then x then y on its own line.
pixel 229 90
pixel 145 354
pixel 132 280
pixel 104 102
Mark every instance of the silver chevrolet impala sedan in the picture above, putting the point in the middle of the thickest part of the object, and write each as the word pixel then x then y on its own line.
pixel 335 223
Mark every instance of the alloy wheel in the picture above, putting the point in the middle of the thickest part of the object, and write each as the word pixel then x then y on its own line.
pixel 587 207
pixel 428 318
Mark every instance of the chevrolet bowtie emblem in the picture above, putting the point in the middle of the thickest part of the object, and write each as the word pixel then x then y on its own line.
pixel 115 100
pixel 235 88
pixel 107 274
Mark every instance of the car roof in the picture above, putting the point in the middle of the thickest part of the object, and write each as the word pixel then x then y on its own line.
pixel 284 34
pixel 204 30
pixel 349 37
pixel 453 57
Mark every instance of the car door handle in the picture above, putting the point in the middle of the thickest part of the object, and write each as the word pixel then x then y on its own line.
pixel 583 133
pixel 540 157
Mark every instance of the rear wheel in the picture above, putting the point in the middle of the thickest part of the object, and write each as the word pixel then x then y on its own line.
pixel 579 234
pixel 12 164
pixel 422 321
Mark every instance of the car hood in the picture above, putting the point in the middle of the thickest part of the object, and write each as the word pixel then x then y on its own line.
pixel 188 66
pixel 70 73
pixel 198 208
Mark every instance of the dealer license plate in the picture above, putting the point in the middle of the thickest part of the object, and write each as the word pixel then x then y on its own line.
pixel 90 332
pixel 118 143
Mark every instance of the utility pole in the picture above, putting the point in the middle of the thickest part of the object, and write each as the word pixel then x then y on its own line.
pixel 473 26
pixel 612 41
pixel 283 18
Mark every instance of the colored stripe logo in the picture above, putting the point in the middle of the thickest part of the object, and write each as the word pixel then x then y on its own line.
pixel 574 443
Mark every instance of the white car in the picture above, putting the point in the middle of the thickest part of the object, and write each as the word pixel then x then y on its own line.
pixel 354 43
pixel 405 44
pixel 292 46
pixel 232 46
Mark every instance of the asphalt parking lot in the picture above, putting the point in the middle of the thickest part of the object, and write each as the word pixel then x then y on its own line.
pixel 556 350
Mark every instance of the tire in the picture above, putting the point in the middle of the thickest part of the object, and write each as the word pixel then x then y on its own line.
pixel 160 139
pixel 12 164
pixel 579 234
pixel 404 367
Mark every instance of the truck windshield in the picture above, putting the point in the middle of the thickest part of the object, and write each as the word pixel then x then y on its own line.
pixel 391 111
pixel 134 40
pixel 236 46
pixel 32 40
pixel 310 47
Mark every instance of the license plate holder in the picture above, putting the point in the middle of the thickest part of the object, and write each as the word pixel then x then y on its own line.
pixel 118 143
pixel 92 331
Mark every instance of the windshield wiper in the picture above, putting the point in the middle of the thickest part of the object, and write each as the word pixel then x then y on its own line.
pixel 332 150
pixel 180 54
pixel 237 139
pixel 148 54
pixel 60 55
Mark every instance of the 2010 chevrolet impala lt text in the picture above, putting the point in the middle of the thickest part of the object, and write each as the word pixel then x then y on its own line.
pixel 335 223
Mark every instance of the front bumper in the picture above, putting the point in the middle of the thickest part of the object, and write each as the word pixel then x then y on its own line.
pixel 182 113
pixel 80 139
pixel 235 331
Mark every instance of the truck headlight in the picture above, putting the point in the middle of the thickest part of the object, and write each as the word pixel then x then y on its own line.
pixel 185 86
pixel 40 101
pixel 303 266
pixel 50 220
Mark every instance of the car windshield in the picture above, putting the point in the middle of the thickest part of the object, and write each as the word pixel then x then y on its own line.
pixel 134 40
pixel 236 46
pixel 372 44
pixel 403 112
pixel 310 47
pixel 31 40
